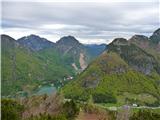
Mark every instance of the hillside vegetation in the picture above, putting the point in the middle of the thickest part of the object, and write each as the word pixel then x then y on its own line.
pixel 125 73
pixel 32 61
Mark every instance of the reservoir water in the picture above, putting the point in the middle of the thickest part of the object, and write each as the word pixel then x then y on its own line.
pixel 46 90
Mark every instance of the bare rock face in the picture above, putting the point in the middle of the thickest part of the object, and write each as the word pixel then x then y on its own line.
pixel 91 81
pixel 140 40
pixel 67 44
pixel 153 42
pixel 155 38
pixel 120 42
pixel 144 68
pixel 131 52
pixel 74 66
pixel 82 61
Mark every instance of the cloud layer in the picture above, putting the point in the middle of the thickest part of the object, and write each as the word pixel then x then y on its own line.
pixel 89 22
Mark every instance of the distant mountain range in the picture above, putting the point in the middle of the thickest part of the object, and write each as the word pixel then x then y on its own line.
pixel 127 72
pixel 32 61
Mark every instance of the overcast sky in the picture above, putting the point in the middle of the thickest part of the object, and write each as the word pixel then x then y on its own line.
pixel 96 22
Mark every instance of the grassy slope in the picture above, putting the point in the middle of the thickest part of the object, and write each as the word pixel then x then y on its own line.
pixel 56 64
pixel 14 76
pixel 23 70
pixel 129 85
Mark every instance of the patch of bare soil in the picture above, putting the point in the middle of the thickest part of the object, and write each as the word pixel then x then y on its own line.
pixel 92 116
pixel 74 66
pixel 82 61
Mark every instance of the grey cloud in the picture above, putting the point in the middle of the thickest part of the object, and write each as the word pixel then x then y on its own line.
pixel 100 20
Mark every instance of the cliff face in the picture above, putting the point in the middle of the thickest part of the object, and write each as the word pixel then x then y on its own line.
pixel 150 44
pixel 155 38
pixel 135 57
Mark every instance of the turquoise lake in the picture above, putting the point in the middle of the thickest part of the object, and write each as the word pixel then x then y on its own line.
pixel 46 90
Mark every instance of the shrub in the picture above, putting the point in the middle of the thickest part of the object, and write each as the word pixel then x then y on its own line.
pixel 145 115
pixel 104 98
pixel 11 110
pixel 70 109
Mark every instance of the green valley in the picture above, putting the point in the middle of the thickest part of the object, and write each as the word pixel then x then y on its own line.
pixel 32 62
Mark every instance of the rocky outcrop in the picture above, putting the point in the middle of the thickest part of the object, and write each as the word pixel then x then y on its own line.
pixel 130 52
pixel 140 40
pixel 67 43
pixel 155 38
pixel 91 81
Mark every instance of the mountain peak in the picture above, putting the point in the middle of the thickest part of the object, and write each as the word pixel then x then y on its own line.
pixel 155 38
pixel 140 40
pixel 8 43
pixel 7 36
pixel 157 32
pixel 32 37
pixel 34 42
pixel 68 40
pixel 139 37
pixel 2 35
pixel 7 39
pixel 119 41
pixel 69 44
